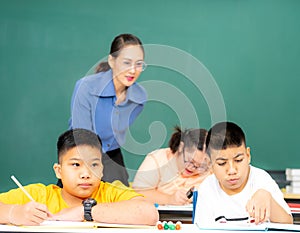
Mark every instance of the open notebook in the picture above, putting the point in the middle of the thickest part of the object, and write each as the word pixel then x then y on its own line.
pixel 176 207
pixel 70 224
pixel 251 227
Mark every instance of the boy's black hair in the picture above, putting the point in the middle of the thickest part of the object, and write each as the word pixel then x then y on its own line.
pixel 224 135
pixel 73 138
pixel 76 137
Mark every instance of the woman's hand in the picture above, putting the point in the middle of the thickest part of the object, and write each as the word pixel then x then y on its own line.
pixel 179 198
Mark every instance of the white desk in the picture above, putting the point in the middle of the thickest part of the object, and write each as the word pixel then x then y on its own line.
pixel 5 228
pixel 185 228
pixel 185 213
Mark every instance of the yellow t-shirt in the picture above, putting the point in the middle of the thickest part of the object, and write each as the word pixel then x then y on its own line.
pixel 51 195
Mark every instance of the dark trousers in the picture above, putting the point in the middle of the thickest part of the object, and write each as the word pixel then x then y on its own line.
pixel 114 167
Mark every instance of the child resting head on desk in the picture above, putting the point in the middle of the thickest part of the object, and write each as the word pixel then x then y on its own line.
pixel 167 174
pixel 83 196
pixel 237 191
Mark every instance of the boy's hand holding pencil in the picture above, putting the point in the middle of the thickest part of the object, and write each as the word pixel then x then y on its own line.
pixel 32 213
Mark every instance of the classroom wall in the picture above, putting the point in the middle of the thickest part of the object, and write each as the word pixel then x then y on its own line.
pixel 208 60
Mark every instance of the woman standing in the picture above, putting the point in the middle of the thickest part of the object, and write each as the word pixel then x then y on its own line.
pixel 109 101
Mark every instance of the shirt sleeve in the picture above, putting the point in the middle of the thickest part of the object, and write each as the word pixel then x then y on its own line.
pixel 81 110
pixel 148 175
pixel 276 193
pixel 119 192
pixel 17 196
pixel 264 181
pixel 135 113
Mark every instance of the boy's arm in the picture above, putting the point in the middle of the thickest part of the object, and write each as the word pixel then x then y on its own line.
pixel 263 207
pixel 5 211
pixel 278 214
pixel 134 211
pixel 32 213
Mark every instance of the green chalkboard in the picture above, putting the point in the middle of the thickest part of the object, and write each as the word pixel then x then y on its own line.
pixel 208 60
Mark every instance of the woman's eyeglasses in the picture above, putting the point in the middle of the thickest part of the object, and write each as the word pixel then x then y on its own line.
pixel 190 163
pixel 139 65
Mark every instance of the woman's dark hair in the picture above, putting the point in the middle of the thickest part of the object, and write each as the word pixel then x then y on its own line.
pixel 116 46
pixel 223 135
pixel 190 138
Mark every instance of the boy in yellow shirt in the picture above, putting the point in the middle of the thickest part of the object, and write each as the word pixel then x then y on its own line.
pixel 83 196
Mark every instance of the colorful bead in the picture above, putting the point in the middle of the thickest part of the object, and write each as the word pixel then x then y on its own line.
pixel 172 227
pixel 178 225
pixel 166 226
pixel 159 225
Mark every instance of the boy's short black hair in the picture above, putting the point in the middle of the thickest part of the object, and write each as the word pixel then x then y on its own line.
pixel 77 137
pixel 223 135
